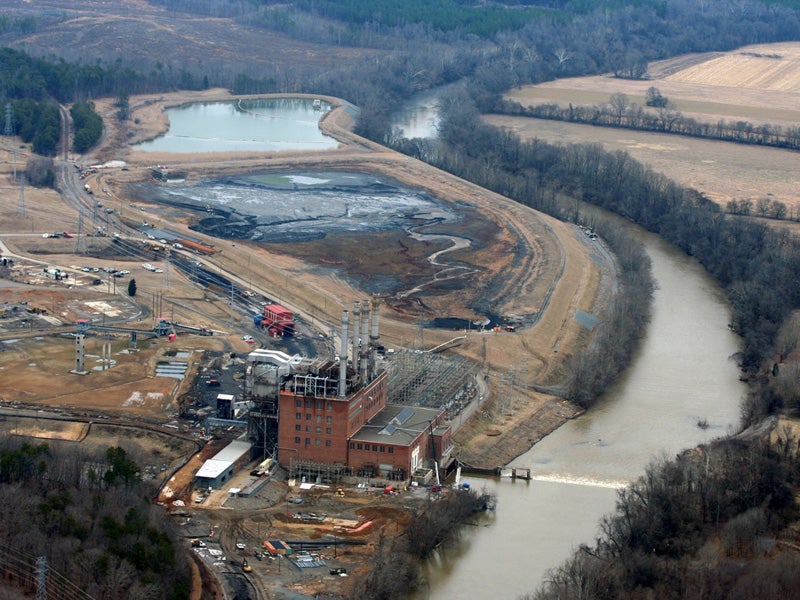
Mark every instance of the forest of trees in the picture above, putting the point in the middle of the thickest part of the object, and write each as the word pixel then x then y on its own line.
pixel 37 123
pixel 705 525
pixel 89 512
pixel 88 126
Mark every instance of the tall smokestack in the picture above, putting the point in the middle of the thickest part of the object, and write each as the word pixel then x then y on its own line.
pixel 343 357
pixel 376 302
pixel 374 337
pixel 356 333
pixel 364 354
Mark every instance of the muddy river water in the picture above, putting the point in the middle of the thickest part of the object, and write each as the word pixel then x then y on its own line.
pixel 682 373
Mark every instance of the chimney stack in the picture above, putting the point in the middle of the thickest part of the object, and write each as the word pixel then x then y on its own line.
pixel 343 357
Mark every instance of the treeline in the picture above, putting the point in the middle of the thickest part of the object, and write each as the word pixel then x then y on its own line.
pixel 707 525
pixel 757 267
pixel 500 162
pixel 88 513
pixel 38 124
pixel 88 126
pixel 25 76
pixel 21 24
pixel 395 565
pixel 443 15
pixel 621 112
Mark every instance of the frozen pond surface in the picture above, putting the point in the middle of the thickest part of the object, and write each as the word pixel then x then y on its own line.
pixel 293 207
pixel 243 126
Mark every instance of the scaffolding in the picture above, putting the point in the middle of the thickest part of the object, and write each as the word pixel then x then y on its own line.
pixel 429 380
pixel 317 472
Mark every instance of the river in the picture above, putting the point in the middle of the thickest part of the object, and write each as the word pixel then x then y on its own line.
pixel 682 373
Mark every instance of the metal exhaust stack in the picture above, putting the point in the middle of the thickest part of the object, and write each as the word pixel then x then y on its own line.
pixel 364 354
pixel 356 333
pixel 374 337
pixel 343 357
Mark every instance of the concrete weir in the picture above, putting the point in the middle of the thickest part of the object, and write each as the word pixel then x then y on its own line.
pixel 516 473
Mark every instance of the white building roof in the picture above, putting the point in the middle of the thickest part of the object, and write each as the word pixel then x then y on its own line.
pixel 224 459
pixel 213 468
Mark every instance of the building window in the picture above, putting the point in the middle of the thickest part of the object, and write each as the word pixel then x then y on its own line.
pixel 309 404
pixel 319 429
pixel 391 450
pixel 298 403
pixel 317 442
pixel 360 447
pixel 319 404
pixel 328 430
pixel 319 418
pixel 328 443
pixel 329 419
pixel 383 448
pixel 298 415
pixel 329 406
pixel 308 441
pixel 308 416
pixel 297 440
pixel 374 447
pixel 308 428
pixel 297 427
pixel 352 446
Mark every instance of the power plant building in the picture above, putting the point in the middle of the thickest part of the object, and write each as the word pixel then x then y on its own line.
pixel 329 417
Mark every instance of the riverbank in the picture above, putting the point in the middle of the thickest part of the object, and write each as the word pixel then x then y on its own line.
pixel 530 267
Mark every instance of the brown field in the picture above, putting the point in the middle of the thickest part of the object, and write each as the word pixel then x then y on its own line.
pixel 743 84
pixel 759 84
pixel 721 170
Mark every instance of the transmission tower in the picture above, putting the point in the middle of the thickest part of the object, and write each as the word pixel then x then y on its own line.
pixel 80 239
pixel 41 578
pixel 21 205
pixel 9 130
pixel 166 269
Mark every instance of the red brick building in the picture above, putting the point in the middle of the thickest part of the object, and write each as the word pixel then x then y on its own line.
pixel 317 428
pixel 331 416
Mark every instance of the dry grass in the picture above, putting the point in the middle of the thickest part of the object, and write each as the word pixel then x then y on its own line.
pixel 749 83
pixel 735 85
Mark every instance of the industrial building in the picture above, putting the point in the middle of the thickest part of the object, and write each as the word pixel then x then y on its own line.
pixel 328 418
pixel 276 319
pixel 219 469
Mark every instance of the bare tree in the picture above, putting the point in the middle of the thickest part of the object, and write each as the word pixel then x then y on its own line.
pixel 619 103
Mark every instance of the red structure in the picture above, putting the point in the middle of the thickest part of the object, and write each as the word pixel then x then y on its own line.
pixel 317 428
pixel 327 417
pixel 279 321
